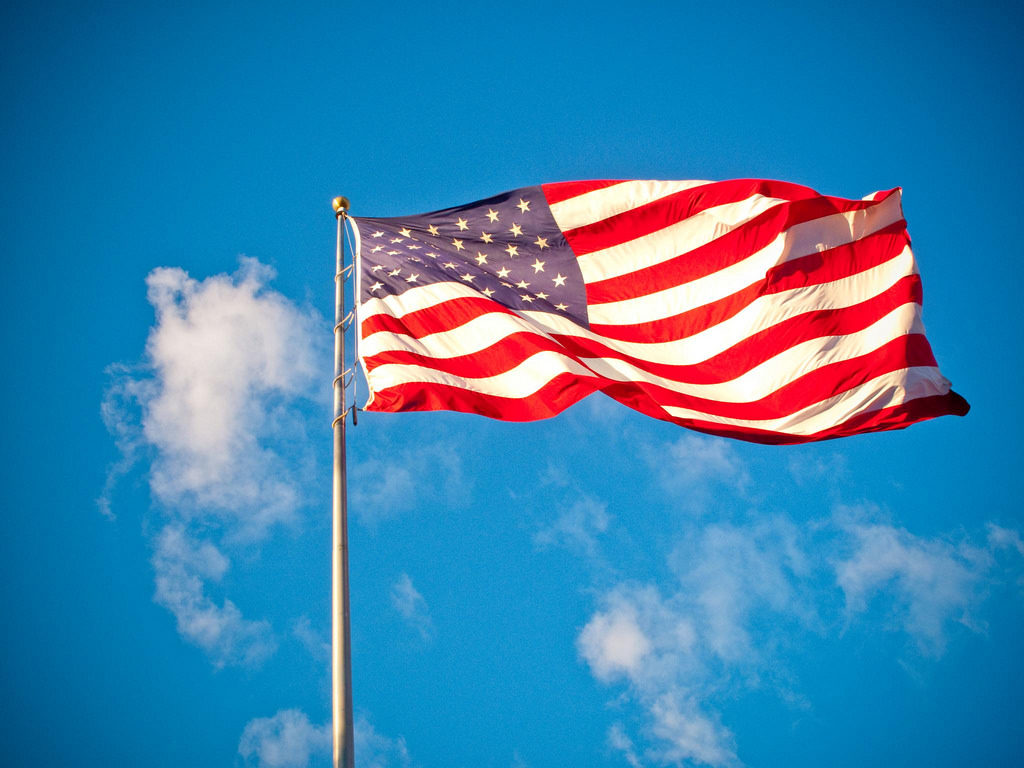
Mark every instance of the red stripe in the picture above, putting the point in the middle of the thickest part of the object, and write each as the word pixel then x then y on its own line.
pixel 445 316
pixel 658 214
pixel 510 351
pixel 559 395
pixel 894 417
pixel 817 385
pixel 805 391
pixel 554 397
pixel 731 248
pixel 502 356
pixel 767 343
pixel 563 190
pixel 813 269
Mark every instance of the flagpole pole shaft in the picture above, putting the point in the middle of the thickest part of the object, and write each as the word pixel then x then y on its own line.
pixel 341 648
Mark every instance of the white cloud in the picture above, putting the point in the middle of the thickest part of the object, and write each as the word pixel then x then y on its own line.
pixel 375 750
pixel 286 740
pixel 182 567
pixel 692 466
pixel 289 740
pixel 576 527
pixel 653 644
pixel 930 582
pixel 686 734
pixel 220 408
pixel 680 651
pixel 407 600
pixel 612 641
pixel 230 360
pixel 732 572
pixel 1000 538
pixel 319 648
pixel 392 481
pixel 620 742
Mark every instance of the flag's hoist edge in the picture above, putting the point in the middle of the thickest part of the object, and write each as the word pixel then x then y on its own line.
pixel 754 309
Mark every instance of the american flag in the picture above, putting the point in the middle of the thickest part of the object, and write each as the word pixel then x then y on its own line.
pixel 753 309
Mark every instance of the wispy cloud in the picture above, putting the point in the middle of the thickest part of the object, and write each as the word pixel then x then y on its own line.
pixel 315 643
pixel 407 600
pixel 183 566
pixel 219 409
pixel 286 740
pixel 391 481
pixel 652 643
pixel 619 741
pixel 693 466
pixel 746 595
pixel 927 583
pixel 375 750
pixel 289 739
pixel 576 527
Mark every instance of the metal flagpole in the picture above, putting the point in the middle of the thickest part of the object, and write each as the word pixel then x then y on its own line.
pixel 341 647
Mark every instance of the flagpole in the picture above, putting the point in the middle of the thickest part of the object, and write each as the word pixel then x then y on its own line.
pixel 341 647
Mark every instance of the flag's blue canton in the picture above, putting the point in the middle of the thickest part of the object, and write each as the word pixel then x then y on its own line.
pixel 507 247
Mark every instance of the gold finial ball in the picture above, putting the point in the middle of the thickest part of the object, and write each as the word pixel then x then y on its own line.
pixel 340 205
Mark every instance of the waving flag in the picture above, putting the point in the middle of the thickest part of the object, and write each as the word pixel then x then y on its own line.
pixel 753 309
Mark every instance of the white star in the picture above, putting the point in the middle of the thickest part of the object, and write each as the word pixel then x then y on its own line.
pixel 516 230
pixel 376 286
pixel 561 307
pixel 558 279
pixel 542 242
pixel 377 268
pixel 449 265
pixel 542 296
pixel 393 272
pixel 377 234
pixel 397 239
pixel 412 278
pixel 522 284
pixel 405 232
pixel 412 247
pixel 486 237
pixel 433 230
pixel 462 224
pixel 512 250
pixel 527 298
pixel 481 257
pixel 432 255
pixel 392 253
pixel 503 272
pixel 492 214
pixel 538 266
pixel 377 248
pixel 458 245
pixel 524 205
pixel 507 285
pixel 467 277
pixel 487 292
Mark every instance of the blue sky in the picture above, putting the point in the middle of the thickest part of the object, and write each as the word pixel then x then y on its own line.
pixel 596 589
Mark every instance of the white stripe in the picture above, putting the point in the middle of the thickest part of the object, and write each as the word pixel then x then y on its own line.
pixel 762 313
pixel 673 240
pixel 889 389
pixel 755 384
pixel 776 372
pixel 591 207
pixel 519 382
pixel 416 299
pixel 472 337
pixel 798 241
